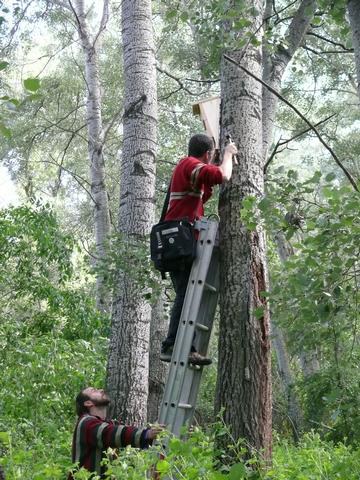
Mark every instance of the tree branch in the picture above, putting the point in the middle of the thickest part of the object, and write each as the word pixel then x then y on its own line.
pixel 75 176
pixel 61 4
pixel 79 24
pixel 284 142
pixel 178 80
pixel 16 26
pixel 196 80
pixel 328 40
pixel 103 22
pixel 325 52
pixel 312 127
pixel 110 124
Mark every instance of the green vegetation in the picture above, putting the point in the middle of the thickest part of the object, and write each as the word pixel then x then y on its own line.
pixel 53 341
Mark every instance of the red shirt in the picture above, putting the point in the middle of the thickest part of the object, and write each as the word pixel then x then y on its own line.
pixel 191 187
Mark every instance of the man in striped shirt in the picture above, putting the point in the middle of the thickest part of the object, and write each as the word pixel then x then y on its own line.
pixel 191 186
pixel 94 434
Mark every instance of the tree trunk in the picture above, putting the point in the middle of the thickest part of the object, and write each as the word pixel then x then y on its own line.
pixel 274 66
pixel 128 363
pixel 293 408
pixel 244 378
pixel 95 145
pixel 279 344
pixel 276 63
pixel 157 369
pixel 353 8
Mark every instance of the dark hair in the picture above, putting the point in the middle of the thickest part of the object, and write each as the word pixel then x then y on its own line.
pixel 200 144
pixel 79 401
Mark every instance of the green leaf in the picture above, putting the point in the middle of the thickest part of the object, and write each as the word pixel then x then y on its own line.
pixel 6 132
pixel 4 437
pixel 14 101
pixel 32 84
pixel 316 20
pixel 163 466
pixel 241 23
pixel 259 312
pixel 171 14
pixel 237 472
pixel 3 65
pixel 330 177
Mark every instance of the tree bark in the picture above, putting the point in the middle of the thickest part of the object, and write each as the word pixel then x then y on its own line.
pixel 157 369
pixel 353 8
pixel 128 363
pixel 243 389
pixel 95 144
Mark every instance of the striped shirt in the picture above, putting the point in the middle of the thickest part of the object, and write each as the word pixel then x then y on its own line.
pixel 190 188
pixel 93 436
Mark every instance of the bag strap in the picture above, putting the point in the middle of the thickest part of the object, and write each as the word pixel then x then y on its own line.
pixel 166 203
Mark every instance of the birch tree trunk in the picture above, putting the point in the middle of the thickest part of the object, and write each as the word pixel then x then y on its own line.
pixel 353 8
pixel 244 377
pixel 128 361
pixel 95 140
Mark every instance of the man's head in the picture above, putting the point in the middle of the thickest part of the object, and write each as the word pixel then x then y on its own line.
pixel 91 397
pixel 202 147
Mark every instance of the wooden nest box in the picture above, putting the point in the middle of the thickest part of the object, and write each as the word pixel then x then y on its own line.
pixel 209 112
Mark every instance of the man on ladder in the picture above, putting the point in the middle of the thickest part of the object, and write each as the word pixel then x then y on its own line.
pixel 191 186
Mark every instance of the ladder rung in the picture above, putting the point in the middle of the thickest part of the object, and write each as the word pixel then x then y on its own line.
pixel 210 287
pixel 186 406
pixel 202 327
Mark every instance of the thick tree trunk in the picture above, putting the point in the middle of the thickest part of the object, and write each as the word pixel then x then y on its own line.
pixel 244 376
pixel 95 148
pixel 128 361
pixel 353 8
pixel 157 369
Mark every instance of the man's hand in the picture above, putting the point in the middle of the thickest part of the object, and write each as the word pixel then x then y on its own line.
pixel 154 431
pixel 231 148
pixel 230 151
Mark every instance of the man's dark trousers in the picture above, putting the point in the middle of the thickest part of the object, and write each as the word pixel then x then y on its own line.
pixel 179 280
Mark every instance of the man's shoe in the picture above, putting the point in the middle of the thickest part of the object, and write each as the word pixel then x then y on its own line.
pixel 197 359
pixel 166 353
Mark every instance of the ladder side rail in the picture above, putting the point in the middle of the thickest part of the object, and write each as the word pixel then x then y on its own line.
pixel 182 346
pixel 171 379
pixel 183 382
pixel 207 309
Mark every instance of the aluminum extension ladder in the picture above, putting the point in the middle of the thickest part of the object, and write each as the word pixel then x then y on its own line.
pixel 183 382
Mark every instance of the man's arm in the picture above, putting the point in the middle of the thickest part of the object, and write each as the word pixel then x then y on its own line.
pixel 109 434
pixel 227 163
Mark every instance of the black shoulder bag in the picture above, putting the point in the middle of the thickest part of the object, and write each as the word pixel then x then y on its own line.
pixel 172 242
